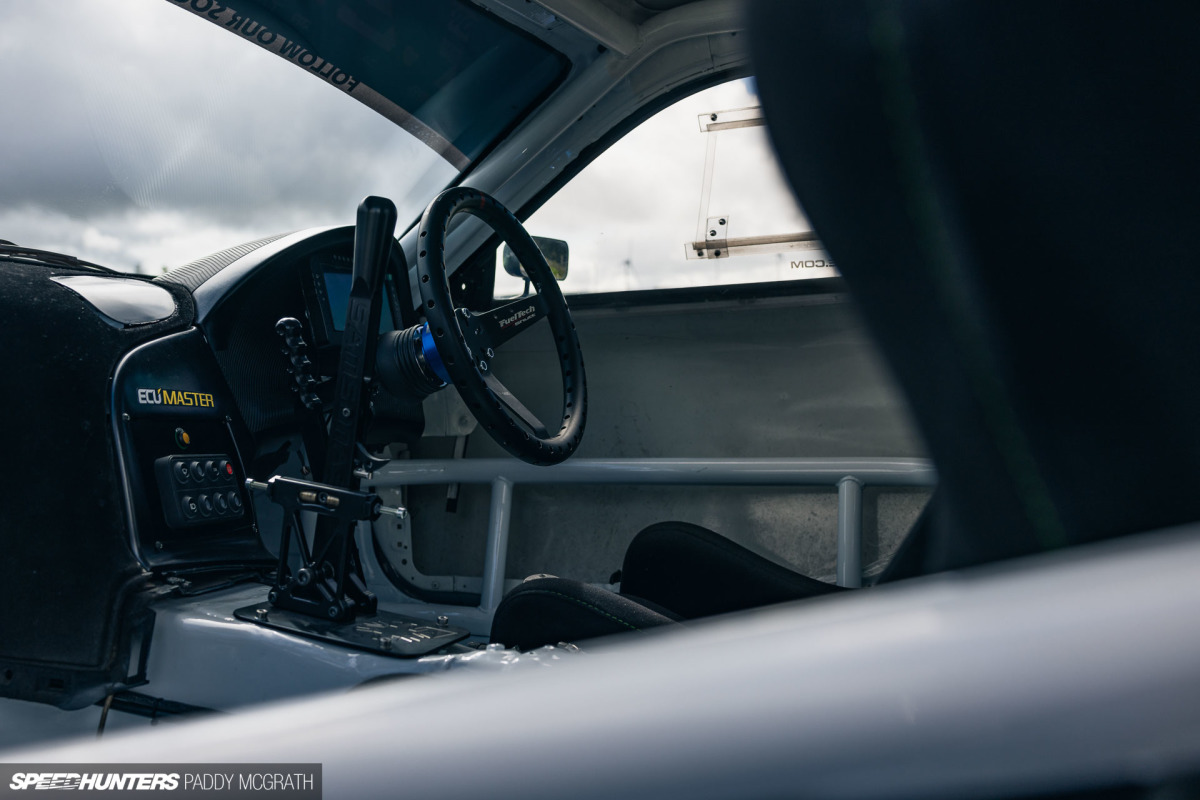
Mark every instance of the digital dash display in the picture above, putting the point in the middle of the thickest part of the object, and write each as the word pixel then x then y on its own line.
pixel 326 283
pixel 337 291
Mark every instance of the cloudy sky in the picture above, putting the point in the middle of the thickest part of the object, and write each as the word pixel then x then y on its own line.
pixel 139 137
pixel 651 186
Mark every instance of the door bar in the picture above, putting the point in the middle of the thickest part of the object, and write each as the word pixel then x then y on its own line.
pixel 848 475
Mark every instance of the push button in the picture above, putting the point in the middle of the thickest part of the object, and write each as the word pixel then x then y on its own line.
pixel 199 490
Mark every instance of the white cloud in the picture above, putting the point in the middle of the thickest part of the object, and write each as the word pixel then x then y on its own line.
pixel 95 240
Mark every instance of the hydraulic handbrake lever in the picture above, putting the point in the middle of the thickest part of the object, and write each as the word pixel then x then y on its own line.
pixel 334 540
pixel 373 233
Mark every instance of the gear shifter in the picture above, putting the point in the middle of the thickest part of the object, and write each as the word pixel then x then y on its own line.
pixel 295 348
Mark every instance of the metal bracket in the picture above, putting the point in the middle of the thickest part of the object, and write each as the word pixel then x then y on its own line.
pixel 323 587
pixel 712 238
pixel 384 633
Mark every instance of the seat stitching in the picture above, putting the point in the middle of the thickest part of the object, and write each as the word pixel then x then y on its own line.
pixel 576 600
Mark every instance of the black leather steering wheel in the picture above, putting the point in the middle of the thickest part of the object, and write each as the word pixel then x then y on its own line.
pixel 467 341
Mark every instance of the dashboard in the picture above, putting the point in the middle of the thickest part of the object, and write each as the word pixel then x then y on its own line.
pixel 200 410
pixel 154 402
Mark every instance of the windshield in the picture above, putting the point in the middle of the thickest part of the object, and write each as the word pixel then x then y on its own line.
pixel 141 136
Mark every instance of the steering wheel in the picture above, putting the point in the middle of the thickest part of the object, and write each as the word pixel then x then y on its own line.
pixel 467 341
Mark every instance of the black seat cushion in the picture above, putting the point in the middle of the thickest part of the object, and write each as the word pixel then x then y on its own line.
pixel 551 610
pixel 697 573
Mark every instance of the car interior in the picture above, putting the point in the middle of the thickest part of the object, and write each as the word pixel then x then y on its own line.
pixel 267 426
pixel 327 460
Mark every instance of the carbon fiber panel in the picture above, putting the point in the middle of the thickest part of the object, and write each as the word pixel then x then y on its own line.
pixel 191 276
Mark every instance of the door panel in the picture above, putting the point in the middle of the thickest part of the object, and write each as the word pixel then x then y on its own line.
pixel 770 377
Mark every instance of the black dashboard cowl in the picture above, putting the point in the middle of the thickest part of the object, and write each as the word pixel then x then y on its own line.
pixel 191 276
pixel 71 589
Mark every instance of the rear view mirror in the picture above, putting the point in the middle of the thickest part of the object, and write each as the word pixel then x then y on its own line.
pixel 554 250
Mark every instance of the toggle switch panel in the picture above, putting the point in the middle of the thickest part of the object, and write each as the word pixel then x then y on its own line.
pixel 199 490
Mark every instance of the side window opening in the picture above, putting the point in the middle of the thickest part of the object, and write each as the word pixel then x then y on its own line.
pixel 691 197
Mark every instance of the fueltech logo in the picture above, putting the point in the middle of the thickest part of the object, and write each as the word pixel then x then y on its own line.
pixel 114 781
pixel 517 317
